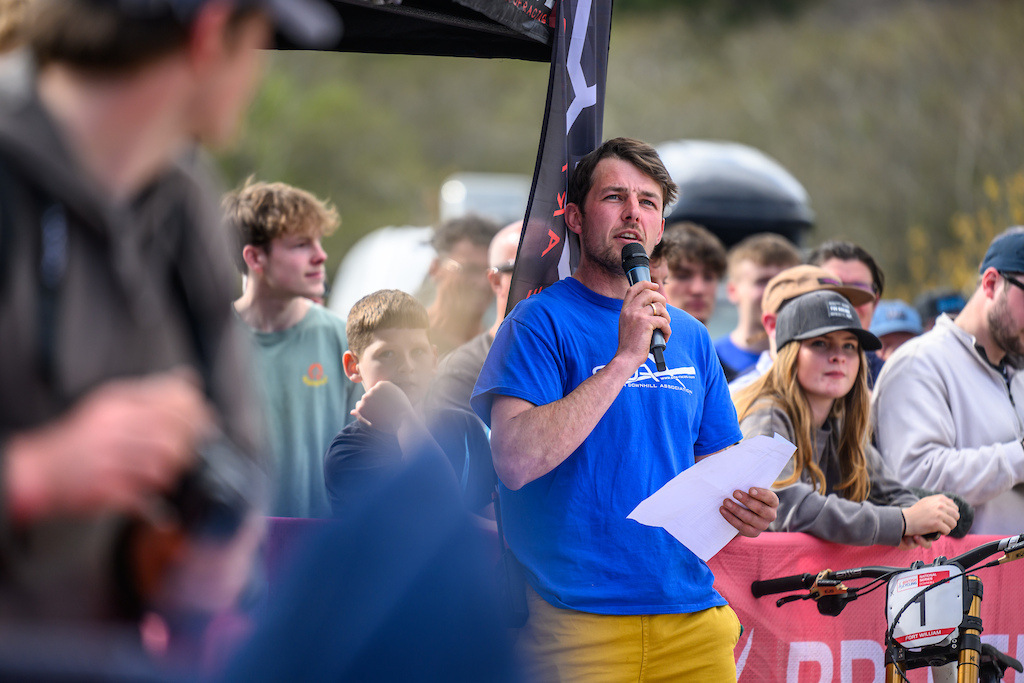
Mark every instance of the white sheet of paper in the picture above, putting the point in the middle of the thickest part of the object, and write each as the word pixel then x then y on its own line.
pixel 687 506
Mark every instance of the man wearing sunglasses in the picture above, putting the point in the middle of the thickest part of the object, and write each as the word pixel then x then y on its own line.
pixel 459 274
pixel 948 409
pixel 457 372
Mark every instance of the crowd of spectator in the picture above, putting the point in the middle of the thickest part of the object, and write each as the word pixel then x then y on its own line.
pixel 821 338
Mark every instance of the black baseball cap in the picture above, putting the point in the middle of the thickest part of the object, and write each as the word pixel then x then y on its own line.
pixel 306 23
pixel 817 313
pixel 1006 253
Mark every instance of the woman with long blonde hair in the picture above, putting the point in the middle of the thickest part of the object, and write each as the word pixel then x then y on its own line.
pixel 836 486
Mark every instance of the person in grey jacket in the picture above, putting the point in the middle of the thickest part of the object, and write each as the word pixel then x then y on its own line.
pixel 120 357
pixel 835 486
pixel 948 409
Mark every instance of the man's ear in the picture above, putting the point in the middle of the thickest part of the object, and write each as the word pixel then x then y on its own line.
pixel 990 282
pixel 494 278
pixel 574 218
pixel 351 365
pixel 255 258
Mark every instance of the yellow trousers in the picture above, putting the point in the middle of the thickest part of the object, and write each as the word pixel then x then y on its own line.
pixel 562 646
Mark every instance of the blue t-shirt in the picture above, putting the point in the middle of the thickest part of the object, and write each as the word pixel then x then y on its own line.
pixel 569 527
pixel 733 357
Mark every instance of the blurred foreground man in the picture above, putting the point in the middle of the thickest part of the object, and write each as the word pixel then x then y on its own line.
pixel 583 430
pixel 948 408
pixel 120 358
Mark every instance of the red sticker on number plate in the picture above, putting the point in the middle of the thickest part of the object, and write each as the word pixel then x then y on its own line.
pixel 925 634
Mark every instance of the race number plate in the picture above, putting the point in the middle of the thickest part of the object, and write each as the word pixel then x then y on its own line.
pixel 934 615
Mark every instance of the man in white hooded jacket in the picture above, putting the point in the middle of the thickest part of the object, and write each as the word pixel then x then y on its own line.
pixel 948 408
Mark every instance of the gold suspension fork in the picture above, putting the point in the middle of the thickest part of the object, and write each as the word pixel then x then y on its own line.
pixel 970 638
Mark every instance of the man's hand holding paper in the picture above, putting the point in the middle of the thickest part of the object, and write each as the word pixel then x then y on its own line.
pixel 755 511
pixel 704 492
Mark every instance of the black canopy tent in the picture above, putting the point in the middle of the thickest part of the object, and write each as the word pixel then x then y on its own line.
pixel 511 29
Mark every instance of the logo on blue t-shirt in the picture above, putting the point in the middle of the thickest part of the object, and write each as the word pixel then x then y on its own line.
pixel 647 378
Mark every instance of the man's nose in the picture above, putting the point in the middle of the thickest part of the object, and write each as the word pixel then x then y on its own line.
pixel 319 255
pixel 631 209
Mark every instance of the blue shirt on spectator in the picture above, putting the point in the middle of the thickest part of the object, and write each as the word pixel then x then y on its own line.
pixel 735 359
pixel 569 527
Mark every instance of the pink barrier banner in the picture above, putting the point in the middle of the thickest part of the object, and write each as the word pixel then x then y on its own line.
pixel 796 644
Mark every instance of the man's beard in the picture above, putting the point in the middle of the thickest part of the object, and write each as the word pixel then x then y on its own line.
pixel 603 256
pixel 1004 336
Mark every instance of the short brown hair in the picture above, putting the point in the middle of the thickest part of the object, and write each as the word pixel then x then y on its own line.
pixel 105 37
pixel 477 229
pixel 636 152
pixel 689 242
pixel 764 249
pixel 260 212
pixel 385 309
pixel 848 251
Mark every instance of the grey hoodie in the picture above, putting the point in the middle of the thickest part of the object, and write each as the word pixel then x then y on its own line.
pixel 135 289
pixel 947 420
pixel 876 521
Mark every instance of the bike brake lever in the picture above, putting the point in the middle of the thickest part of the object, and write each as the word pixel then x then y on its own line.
pixel 790 598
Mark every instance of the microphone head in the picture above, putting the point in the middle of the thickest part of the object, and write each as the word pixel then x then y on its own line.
pixel 634 255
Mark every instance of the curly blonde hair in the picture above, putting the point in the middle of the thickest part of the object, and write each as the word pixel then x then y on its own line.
pixel 260 212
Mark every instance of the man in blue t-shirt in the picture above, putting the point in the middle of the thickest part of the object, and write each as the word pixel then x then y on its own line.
pixel 584 428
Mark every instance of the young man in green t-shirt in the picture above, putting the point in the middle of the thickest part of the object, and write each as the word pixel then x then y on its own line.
pixel 298 344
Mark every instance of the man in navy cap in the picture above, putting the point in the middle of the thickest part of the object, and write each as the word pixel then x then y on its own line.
pixel 948 408
pixel 120 358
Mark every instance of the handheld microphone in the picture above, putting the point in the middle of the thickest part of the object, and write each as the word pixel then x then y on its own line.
pixel 638 269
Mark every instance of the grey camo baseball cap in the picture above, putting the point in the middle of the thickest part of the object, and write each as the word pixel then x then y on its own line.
pixel 817 313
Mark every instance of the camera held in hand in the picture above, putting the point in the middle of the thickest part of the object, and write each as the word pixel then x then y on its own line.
pixel 214 497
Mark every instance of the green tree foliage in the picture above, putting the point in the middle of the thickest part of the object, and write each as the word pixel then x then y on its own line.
pixel 891 113
pixel 1000 203
pixel 377 134
pixel 718 13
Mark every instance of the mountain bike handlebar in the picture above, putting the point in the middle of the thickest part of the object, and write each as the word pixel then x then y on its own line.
pixel 783 584
pixel 801 581
pixel 1013 546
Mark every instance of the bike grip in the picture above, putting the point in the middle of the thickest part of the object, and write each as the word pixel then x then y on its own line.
pixel 782 584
